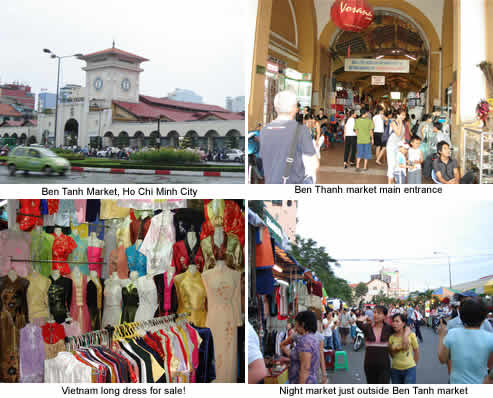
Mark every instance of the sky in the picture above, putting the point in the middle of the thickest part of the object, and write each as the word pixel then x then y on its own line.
pixel 409 231
pixel 191 44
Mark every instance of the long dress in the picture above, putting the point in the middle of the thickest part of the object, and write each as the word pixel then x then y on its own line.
pixel 41 249
pixel 112 302
pixel 94 259
pixel 223 287
pixel 31 354
pixel 95 291
pixel 59 298
pixel 37 297
pixel 78 309
pixel 79 255
pixel 63 245
pixel 148 299
pixel 130 296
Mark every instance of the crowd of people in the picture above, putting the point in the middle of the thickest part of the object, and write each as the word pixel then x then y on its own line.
pixel 290 146
pixel 392 337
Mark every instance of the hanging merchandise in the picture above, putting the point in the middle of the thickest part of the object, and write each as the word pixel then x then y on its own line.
pixel 122 291
pixel 352 15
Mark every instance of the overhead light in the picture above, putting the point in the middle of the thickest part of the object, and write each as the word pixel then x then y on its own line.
pixel 277 268
pixel 380 56
pixel 410 57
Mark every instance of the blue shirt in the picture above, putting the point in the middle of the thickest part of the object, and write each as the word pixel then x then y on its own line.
pixel 470 350
pixel 136 260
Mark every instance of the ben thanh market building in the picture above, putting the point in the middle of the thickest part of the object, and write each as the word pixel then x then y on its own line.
pixel 424 53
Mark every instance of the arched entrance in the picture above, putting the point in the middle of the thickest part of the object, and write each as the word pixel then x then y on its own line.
pixel 234 139
pixel 190 140
pixel 31 140
pixel 138 140
pixel 154 139
pixel 15 139
pixel 212 138
pixel 108 139
pixel 123 140
pixel 23 139
pixel 71 133
pixel 172 139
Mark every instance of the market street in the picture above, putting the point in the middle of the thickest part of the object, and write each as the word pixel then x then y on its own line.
pixel 107 178
pixel 429 371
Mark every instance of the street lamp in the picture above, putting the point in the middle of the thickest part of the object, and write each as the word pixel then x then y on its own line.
pixel 449 270
pixel 53 55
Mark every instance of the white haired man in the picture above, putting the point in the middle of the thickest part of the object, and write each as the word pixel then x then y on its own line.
pixel 286 147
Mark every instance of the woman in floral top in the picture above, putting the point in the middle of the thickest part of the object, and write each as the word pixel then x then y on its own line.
pixel 305 355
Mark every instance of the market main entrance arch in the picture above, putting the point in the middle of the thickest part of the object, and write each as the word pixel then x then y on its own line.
pixel 71 132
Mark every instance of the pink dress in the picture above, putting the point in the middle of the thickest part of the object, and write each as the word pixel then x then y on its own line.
pixel 78 309
pixel 94 256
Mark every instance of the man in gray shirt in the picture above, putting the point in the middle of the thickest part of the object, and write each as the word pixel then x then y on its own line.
pixel 276 140
pixel 446 168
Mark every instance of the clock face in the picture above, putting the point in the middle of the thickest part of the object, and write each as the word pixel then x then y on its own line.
pixel 98 83
pixel 126 84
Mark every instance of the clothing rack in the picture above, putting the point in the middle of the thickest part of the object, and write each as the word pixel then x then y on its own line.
pixel 105 336
pixel 19 260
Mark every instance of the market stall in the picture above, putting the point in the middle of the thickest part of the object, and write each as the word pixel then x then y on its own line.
pixel 121 291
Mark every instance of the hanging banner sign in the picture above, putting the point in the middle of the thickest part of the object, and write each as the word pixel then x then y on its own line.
pixel 378 80
pixel 376 65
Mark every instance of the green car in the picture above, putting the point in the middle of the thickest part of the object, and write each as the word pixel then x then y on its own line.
pixel 29 158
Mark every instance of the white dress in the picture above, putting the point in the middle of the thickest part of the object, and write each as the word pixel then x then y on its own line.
pixel 112 302
pixel 148 301
pixel 158 243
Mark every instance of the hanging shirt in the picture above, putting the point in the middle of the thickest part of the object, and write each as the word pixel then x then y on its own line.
pixel 31 354
pixel 41 249
pixel 37 296
pixel 79 255
pixel 65 211
pixel 63 245
pixel 109 209
pixel 136 260
pixel 15 244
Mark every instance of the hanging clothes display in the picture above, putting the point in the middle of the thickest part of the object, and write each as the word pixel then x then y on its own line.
pixel 147 320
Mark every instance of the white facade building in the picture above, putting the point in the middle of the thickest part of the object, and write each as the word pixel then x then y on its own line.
pixel 111 110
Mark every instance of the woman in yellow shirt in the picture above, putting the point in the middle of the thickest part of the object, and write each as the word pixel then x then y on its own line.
pixel 404 350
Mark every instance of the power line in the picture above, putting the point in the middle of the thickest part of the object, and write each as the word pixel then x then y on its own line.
pixel 383 259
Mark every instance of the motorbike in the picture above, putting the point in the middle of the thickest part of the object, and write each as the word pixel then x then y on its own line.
pixel 359 339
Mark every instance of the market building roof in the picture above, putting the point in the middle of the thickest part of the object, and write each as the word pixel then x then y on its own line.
pixel 113 51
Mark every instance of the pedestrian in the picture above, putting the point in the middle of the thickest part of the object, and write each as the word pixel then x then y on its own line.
pixel 305 355
pixel 327 325
pixel 404 350
pixel 335 331
pixel 350 140
pixel 369 313
pixel 415 160
pixel 345 325
pixel 469 348
pixel 279 151
pixel 379 123
pixel 401 163
pixel 364 139
pixel 256 365
pixel 324 126
pixel 395 138
pixel 353 324
pixel 377 333
pixel 418 322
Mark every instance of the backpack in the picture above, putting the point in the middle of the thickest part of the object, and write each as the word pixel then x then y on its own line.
pixel 428 164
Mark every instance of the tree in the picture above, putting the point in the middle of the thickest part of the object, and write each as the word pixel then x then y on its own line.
pixel 361 290
pixel 308 254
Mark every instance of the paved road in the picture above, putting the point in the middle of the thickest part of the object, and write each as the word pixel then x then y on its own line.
pixel 106 178
pixel 430 370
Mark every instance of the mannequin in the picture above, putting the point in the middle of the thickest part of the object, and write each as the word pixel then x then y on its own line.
pixel 219 236
pixel 148 298
pixel 38 229
pixel 93 240
pixel 55 274
pixel 114 277
pixel 58 231
pixel 191 239
pixel 50 319
pixel 12 275
pixel 78 308
pixel 95 299
pixel 192 268
pixel 112 301
pixel 130 298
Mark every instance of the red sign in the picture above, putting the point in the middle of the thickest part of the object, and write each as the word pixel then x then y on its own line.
pixel 352 15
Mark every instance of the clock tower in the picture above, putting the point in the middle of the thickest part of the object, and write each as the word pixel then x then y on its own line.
pixel 112 74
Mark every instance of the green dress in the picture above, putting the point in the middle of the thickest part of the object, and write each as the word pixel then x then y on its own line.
pixel 79 254
pixel 41 249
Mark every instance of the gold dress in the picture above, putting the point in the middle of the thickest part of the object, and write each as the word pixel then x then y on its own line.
pixel 191 297
pixel 223 287
pixel 37 297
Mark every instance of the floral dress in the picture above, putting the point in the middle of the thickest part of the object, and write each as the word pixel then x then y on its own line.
pixel 63 245
pixel 307 343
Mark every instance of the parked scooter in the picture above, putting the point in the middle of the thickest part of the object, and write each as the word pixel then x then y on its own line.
pixel 359 339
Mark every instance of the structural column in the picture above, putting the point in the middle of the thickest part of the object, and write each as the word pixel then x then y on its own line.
pixel 260 54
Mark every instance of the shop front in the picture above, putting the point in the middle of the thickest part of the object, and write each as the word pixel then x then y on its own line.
pixel 122 291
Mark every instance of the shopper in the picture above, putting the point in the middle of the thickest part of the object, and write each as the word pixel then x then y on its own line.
pixel 327 325
pixel 418 322
pixel 256 365
pixel 364 139
pixel 397 131
pixel 379 123
pixel 335 331
pixel 401 164
pixel 324 126
pixel 305 356
pixel 415 159
pixel 350 140
pixel 377 333
pixel 404 350
pixel 276 142
pixel 469 349
pixel 345 326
